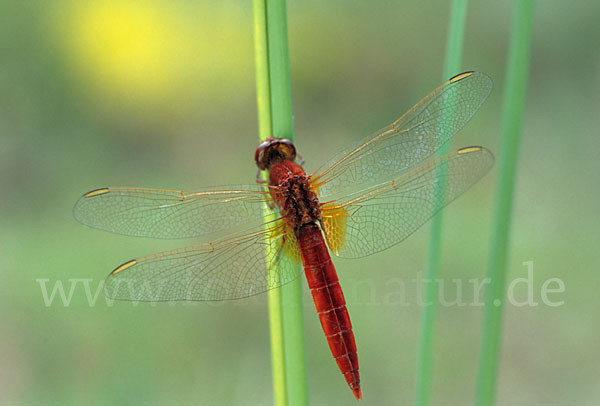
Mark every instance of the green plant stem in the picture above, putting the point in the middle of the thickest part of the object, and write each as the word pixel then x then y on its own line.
pixel 513 106
pixel 261 58
pixel 275 119
pixel 263 100
pixel 454 45
pixel 282 121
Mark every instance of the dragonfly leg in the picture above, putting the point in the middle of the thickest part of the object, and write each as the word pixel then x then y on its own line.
pixel 280 249
pixel 301 162
pixel 259 179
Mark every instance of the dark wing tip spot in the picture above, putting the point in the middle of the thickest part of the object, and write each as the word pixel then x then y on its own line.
pixel 96 192
pixel 124 266
pixel 461 76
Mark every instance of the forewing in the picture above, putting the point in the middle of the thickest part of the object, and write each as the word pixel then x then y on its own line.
pixel 383 216
pixel 229 269
pixel 408 141
pixel 170 213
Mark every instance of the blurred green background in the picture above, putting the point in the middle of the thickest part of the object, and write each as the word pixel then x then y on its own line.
pixel 161 94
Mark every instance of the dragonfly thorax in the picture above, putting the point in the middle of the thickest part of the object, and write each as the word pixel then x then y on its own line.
pixel 300 204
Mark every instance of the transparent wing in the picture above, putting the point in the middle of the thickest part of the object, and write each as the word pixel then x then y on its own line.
pixel 170 213
pixel 228 269
pixel 406 142
pixel 378 218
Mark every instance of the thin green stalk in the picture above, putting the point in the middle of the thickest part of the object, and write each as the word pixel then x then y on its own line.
pixel 513 106
pixel 454 45
pixel 283 127
pixel 261 59
pixel 263 99
pixel 275 119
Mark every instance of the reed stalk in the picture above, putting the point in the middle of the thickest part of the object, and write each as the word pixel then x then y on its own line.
pixel 454 45
pixel 512 117
pixel 275 119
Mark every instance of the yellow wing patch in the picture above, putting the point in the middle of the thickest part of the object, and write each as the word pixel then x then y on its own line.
pixel 334 225
pixel 284 232
pixel 291 247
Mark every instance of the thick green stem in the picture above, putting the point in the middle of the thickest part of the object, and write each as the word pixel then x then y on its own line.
pixel 454 45
pixel 513 106
pixel 275 119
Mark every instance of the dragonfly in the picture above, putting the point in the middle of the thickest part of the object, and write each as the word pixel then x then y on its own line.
pixel 368 198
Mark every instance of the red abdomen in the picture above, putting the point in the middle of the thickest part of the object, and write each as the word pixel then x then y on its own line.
pixel 329 300
pixel 299 204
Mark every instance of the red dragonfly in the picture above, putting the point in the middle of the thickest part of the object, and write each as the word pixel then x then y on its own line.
pixel 365 200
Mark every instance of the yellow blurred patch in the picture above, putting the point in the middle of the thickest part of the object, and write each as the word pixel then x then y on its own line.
pixel 152 54
pixel 130 49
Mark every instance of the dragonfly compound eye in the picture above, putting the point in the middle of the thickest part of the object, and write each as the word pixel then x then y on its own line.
pixel 274 150
pixel 286 149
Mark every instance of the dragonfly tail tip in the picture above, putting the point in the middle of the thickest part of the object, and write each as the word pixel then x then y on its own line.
pixel 357 392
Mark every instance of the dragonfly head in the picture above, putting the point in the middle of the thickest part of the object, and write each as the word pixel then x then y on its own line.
pixel 274 150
